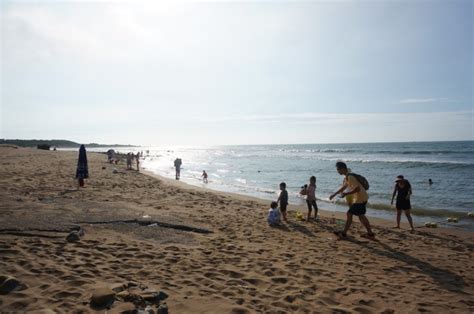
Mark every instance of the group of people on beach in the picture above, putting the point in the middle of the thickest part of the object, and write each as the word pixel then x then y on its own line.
pixel 130 157
pixel 354 189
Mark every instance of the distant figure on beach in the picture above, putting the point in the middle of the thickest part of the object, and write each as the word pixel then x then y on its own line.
pixel 137 157
pixel 82 171
pixel 204 176
pixel 310 192
pixel 283 200
pixel 177 164
pixel 357 187
pixel 273 217
pixel 110 156
pixel 430 182
pixel 129 161
pixel 403 192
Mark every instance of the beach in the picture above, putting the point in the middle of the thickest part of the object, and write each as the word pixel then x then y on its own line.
pixel 257 170
pixel 151 240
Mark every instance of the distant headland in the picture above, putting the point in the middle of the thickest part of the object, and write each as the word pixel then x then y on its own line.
pixel 56 143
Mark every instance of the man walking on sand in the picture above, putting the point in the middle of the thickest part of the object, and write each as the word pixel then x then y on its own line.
pixel 360 198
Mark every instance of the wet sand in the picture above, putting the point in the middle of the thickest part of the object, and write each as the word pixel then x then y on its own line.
pixel 209 252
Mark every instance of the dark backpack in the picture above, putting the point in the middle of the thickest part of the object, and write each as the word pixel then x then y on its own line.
pixel 362 180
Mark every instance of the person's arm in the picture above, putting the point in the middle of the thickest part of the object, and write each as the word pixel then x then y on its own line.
pixel 409 193
pixel 354 190
pixel 343 187
pixel 279 197
pixel 393 194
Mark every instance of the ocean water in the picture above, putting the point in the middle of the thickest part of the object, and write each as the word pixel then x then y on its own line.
pixel 258 170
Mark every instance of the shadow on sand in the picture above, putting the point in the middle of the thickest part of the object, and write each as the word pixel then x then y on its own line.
pixel 444 278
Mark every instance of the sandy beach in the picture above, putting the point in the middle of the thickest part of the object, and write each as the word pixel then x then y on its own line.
pixel 149 241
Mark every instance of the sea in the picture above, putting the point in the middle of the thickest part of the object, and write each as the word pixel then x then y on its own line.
pixel 257 170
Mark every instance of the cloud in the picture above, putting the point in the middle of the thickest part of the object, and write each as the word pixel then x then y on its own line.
pixel 419 100
pixel 334 118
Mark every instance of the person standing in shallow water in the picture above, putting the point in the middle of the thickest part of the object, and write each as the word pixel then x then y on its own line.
pixel 403 192
pixel 82 171
pixel 358 207
pixel 177 164
pixel 129 161
pixel 310 192
pixel 137 157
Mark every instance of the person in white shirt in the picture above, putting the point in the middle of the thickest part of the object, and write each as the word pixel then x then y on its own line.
pixel 273 214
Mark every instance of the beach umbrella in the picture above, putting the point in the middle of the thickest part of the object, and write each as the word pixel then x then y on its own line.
pixel 82 171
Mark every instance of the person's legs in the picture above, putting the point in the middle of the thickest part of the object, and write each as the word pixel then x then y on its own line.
pixel 283 213
pixel 363 219
pixel 399 215
pixel 410 220
pixel 315 209
pixel 348 223
pixel 81 182
pixel 308 203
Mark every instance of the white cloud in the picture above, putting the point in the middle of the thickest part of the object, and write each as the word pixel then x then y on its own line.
pixel 419 100
pixel 317 117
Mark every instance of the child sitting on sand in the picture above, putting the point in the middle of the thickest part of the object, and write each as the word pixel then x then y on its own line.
pixel 273 214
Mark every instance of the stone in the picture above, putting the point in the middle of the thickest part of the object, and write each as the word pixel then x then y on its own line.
pixel 73 236
pixel 118 287
pixel 123 295
pixel 103 297
pixel 162 295
pixel 132 284
pixel 9 284
pixel 162 309
pixel 153 296
pixel 123 308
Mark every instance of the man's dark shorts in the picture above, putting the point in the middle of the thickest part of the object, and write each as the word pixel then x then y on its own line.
pixel 358 209
pixel 283 208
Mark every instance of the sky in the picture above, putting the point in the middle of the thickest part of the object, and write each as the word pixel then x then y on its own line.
pixel 237 72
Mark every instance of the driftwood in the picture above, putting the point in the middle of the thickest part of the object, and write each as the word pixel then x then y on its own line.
pixel 28 232
pixel 148 223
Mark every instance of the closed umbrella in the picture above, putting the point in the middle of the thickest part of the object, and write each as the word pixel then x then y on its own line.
pixel 82 171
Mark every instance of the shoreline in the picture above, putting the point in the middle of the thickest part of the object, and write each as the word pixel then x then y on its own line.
pixel 327 213
pixel 240 266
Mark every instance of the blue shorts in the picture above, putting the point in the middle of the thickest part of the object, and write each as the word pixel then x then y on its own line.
pixel 358 209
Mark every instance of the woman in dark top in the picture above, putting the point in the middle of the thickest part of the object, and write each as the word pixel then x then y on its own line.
pixel 403 192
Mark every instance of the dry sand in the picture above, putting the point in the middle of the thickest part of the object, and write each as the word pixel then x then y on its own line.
pixel 242 266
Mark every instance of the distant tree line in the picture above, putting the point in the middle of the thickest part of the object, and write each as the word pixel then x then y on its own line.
pixel 55 143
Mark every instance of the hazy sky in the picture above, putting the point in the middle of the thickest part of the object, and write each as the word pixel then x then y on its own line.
pixel 194 73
